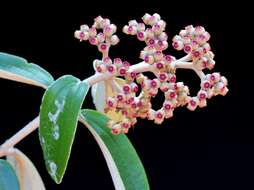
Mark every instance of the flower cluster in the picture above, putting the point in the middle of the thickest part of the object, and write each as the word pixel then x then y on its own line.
pixel 194 41
pixel 102 39
pixel 126 100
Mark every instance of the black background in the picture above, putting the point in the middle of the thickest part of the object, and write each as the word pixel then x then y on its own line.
pixel 211 148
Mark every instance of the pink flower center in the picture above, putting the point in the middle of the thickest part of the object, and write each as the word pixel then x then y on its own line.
pixel 167 106
pixel 122 71
pixel 207 85
pixel 173 79
pixel 153 84
pixel 172 94
pixel 159 65
pixel 159 115
pixel 193 103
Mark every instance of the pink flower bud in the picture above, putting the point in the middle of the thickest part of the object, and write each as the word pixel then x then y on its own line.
pixel 164 87
pixel 130 75
pixel 126 64
pixel 107 60
pixel 205 84
pixel 193 103
pixel 151 114
pixel 158 55
pixel 170 94
pixel 172 78
pixel 154 83
pixel 202 95
pixel 146 18
pixel 161 45
pixel 141 27
pixel 111 69
pixel 169 58
pixel 84 28
pixel 116 129
pixel 149 59
pixel 93 40
pixel 122 71
pixel 100 37
pixel 167 106
pixel 111 103
pixel 134 87
pixel 187 48
pixel 92 32
pixel 126 88
pixel 159 65
pixel 215 77
pixel 108 30
pixel 103 47
pixel 101 68
pixel 118 62
pixel 150 41
pixel 141 36
pixel 114 40
pixel 163 36
pixel 178 45
pixel 163 77
pixel 202 103
pixel 98 20
pixel 159 116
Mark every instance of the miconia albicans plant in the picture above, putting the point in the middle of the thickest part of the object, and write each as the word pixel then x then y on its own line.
pixel 121 93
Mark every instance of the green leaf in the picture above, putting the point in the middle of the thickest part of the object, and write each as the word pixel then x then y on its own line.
pixel 18 69
pixel 59 113
pixel 124 164
pixel 8 178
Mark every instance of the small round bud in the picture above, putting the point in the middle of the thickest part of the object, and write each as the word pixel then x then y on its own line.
pixel 107 60
pixel 108 30
pixel 205 85
pixel 84 28
pixel 134 87
pixel 103 47
pixel 122 71
pixel 187 48
pixel 141 36
pixel 111 69
pixel 158 55
pixel 178 45
pixel 101 37
pixel 159 65
pixel 126 88
pixel 141 27
pixel 167 106
pixel 92 32
pixel 215 77
pixel 146 18
pixel 193 103
pixel 202 95
pixel 114 40
pixel 163 77
pixel 149 59
pixel 110 103
pixel 93 41
pixel 159 116
pixel 164 87
pixel 118 62
pixel 116 129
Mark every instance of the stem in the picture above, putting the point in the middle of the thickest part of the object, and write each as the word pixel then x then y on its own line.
pixel 97 77
pixel 190 65
pixel 9 144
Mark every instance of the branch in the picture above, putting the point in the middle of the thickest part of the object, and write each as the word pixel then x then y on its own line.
pixel 190 65
pixel 9 144
pixel 138 68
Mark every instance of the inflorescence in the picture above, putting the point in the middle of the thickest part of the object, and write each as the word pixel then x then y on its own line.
pixel 192 40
